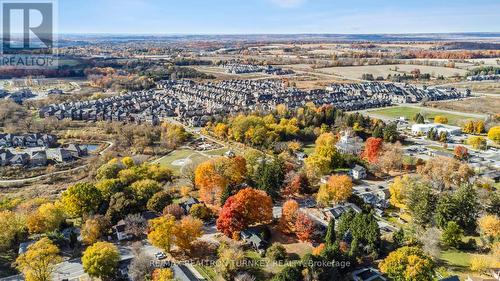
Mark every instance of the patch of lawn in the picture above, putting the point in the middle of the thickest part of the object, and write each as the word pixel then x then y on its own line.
pixel 198 158
pixel 263 267
pixel 342 170
pixel 309 148
pixel 166 161
pixel 409 112
pixel 455 258
pixel 217 152
pixel 207 272
pixel 440 148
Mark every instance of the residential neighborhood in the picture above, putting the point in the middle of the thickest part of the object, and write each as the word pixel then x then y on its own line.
pixel 263 140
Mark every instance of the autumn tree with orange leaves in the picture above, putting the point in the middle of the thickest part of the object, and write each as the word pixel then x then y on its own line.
pixel 304 227
pixel 249 206
pixel 288 216
pixel 461 152
pixel 373 146
pixel 295 183
pixel 212 177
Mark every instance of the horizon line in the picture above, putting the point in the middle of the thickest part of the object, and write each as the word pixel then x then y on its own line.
pixel 255 34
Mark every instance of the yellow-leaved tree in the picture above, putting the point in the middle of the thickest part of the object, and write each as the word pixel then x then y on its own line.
pixel 187 230
pixel 161 232
pixel 13 226
pixel 398 191
pixel 101 260
pixel 48 217
pixel 489 226
pixel 39 261
pixel 494 134
pixel 337 190
pixel 163 274
pixel 325 156
pixel 441 119
pixel 408 264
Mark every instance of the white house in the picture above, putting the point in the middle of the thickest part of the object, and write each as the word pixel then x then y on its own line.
pixel 358 172
pixel 421 129
pixel 348 144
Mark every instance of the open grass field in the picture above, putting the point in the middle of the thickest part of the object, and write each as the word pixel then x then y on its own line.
pixel 408 113
pixel 355 72
pixel 177 159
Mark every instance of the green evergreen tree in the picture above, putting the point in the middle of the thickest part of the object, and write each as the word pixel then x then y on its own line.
pixel 226 193
pixel 398 238
pixel 452 235
pixel 270 177
pixel 354 251
pixel 330 233
pixel 420 119
pixel 377 132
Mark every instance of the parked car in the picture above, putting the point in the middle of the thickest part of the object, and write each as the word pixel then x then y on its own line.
pixel 160 255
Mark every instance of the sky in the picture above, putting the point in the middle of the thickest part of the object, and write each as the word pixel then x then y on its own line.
pixel 277 16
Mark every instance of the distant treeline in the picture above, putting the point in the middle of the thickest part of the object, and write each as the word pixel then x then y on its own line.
pixel 185 62
pixel 484 70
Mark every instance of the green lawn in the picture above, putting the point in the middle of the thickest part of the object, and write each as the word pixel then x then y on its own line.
pixel 180 154
pixel 440 148
pixel 207 272
pixel 409 112
pixel 217 152
pixel 309 148
pixel 455 258
pixel 198 158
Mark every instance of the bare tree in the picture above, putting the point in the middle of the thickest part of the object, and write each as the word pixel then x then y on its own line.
pixel 188 172
pixel 135 225
pixel 141 267
pixel 430 241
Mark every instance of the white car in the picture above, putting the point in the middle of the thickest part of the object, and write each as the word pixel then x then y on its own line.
pixel 160 255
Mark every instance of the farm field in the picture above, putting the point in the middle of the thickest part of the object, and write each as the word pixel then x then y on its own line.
pixel 408 113
pixel 355 72
pixel 480 105
pixel 482 87
pixel 220 73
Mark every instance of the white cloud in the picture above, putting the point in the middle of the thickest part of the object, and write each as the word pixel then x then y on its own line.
pixel 288 3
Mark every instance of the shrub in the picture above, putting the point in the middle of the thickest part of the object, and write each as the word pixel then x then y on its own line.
pixel 174 210
pixel 276 252
pixel 200 211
